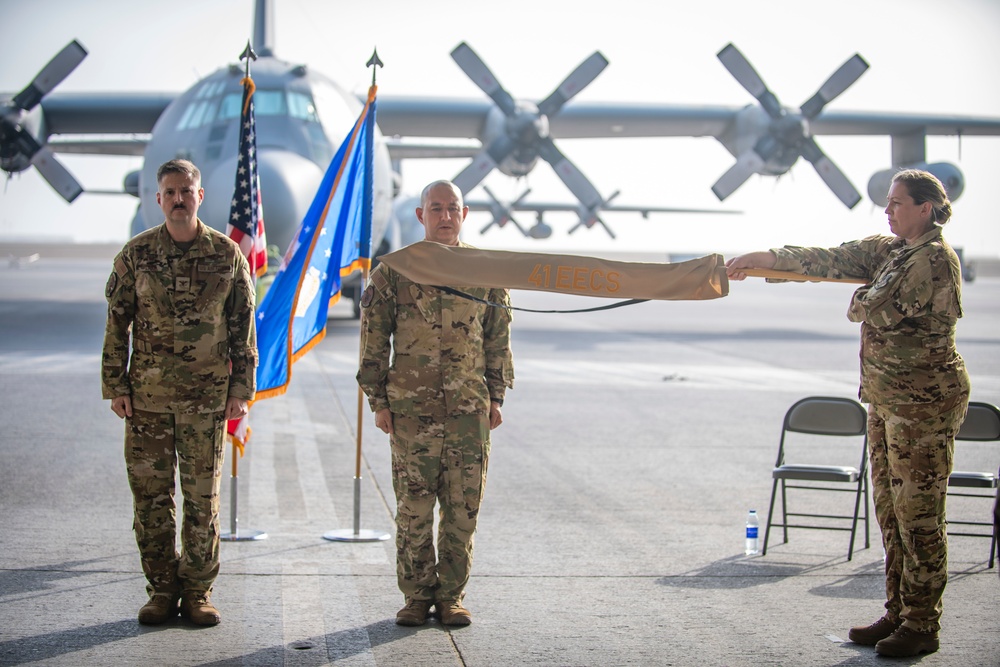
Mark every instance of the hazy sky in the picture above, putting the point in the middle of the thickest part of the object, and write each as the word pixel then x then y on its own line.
pixel 925 55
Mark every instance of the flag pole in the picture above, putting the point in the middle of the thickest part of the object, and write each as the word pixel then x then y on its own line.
pixel 800 277
pixel 358 534
pixel 234 534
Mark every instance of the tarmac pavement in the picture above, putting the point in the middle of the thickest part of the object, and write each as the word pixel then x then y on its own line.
pixel 633 444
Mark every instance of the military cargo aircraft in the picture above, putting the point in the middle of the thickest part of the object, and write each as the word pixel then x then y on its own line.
pixel 302 115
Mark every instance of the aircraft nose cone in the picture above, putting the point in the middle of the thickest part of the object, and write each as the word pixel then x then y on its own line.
pixel 288 183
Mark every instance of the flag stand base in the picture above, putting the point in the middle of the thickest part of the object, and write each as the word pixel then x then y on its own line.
pixel 350 535
pixel 357 534
pixel 235 534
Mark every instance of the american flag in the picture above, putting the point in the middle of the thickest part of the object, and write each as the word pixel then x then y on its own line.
pixel 246 217
pixel 246 220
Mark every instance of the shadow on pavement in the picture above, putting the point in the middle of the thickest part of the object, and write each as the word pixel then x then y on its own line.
pixel 54 644
pixel 741 572
pixel 339 645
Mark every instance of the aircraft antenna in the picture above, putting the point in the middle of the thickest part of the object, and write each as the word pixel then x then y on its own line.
pixel 372 62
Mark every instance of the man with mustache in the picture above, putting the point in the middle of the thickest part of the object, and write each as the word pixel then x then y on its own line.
pixel 183 293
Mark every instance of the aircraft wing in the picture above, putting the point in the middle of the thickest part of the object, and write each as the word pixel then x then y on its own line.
pixel 135 146
pixel 402 149
pixel 461 118
pixel 31 117
pixel 104 113
pixel 400 116
pixel 649 120
pixel 897 124
pixel 73 116
pixel 465 118
pixel 431 117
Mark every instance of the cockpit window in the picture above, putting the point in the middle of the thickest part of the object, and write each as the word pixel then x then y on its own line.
pixel 210 106
pixel 210 89
pixel 301 106
pixel 271 103
pixel 230 107
pixel 197 114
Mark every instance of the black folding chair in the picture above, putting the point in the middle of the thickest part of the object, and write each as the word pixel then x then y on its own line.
pixel 982 424
pixel 847 421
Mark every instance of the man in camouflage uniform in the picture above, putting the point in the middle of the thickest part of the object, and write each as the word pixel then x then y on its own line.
pixel 438 399
pixel 184 293
pixel 917 388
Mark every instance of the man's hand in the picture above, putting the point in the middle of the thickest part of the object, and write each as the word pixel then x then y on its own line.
pixel 236 408
pixel 122 406
pixel 383 420
pixel 496 418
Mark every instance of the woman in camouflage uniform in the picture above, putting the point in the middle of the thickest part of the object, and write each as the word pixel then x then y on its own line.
pixel 917 389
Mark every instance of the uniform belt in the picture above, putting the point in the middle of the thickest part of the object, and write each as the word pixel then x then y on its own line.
pixel 146 346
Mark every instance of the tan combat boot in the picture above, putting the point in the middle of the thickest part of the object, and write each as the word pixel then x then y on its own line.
pixel 160 608
pixel 869 635
pixel 452 612
pixel 197 607
pixel 414 613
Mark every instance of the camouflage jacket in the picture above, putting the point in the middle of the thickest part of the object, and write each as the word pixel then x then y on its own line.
pixel 189 314
pixel 450 355
pixel 908 312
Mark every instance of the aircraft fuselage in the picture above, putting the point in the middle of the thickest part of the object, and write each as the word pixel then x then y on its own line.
pixel 301 117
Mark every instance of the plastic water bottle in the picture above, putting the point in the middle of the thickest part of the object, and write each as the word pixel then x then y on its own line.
pixel 753 524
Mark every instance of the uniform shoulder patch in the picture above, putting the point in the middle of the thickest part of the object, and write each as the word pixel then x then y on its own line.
pixel 884 280
pixel 379 281
pixel 367 296
pixel 109 289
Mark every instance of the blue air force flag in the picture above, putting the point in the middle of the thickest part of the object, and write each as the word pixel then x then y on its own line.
pixel 333 241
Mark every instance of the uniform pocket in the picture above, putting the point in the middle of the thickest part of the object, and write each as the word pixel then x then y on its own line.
pixel 214 282
pixel 426 303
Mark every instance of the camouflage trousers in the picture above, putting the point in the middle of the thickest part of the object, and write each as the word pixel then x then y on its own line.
pixel 911 449
pixel 435 462
pixel 157 444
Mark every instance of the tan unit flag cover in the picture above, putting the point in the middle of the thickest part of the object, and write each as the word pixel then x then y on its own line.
pixel 430 263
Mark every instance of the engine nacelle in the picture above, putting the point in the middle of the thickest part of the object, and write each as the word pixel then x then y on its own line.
pixel 22 133
pixel 131 184
pixel 408 228
pixel 524 156
pixel 950 176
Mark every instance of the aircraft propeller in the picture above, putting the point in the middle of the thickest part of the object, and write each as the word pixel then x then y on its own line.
pixel 787 134
pixel 525 132
pixel 503 213
pixel 19 130
pixel 591 216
